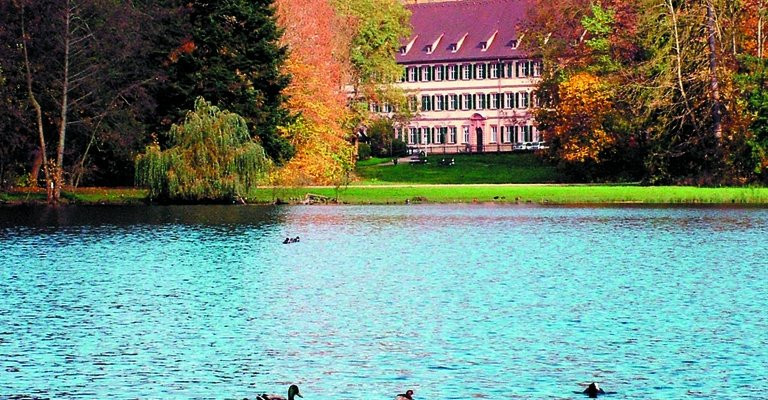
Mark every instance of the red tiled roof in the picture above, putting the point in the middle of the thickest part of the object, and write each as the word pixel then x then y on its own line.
pixel 479 19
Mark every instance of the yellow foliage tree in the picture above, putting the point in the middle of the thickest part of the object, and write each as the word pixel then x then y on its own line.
pixel 318 63
pixel 577 123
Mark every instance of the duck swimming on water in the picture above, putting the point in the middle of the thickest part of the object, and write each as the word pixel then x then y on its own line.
pixel 292 392
pixel 408 395
pixel 593 390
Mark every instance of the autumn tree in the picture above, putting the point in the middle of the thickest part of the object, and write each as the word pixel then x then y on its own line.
pixel 376 28
pixel 319 64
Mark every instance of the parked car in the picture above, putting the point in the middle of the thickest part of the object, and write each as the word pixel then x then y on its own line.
pixel 528 146
pixel 518 146
pixel 543 146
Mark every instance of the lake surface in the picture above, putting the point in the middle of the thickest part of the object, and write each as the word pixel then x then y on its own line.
pixel 454 302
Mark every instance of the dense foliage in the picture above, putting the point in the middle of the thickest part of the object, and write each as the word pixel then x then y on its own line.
pixel 673 89
pixel 231 56
pixel 86 84
pixel 210 157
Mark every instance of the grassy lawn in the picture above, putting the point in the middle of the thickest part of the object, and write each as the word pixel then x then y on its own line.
pixel 399 194
pixel 551 194
pixel 119 196
pixel 469 169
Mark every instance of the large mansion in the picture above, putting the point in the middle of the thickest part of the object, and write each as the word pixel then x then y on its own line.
pixel 468 78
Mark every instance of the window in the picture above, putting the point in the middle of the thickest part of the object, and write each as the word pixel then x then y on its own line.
pixel 413 103
pixel 403 49
pixel 452 73
pixel 426 103
pixel 480 71
pixel 494 101
pixel 494 72
pixel 439 100
pixel 494 133
pixel 480 101
pixel 504 134
pixel 509 100
pixel 453 102
pixel 527 133
pixel 454 47
pixel 466 72
pixel 452 137
pixel 386 108
pixel 438 72
pixel 424 135
pixel 413 135
pixel 440 135
pixel 411 74
pixel 466 102
pixel 523 100
pixel 426 74
pixel 466 133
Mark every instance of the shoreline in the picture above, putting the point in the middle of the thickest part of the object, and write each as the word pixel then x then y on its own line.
pixel 540 194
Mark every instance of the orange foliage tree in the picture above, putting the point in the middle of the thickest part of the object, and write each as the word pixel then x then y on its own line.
pixel 318 63
pixel 578 121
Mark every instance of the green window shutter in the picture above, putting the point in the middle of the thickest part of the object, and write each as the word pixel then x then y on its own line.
pixel 485 71
pixel 433 103
pixel 500 70
pixel 517 99
pixel 517 69
pixel 445 72
pixel 472 102
pixel 429 74
pixel 488 100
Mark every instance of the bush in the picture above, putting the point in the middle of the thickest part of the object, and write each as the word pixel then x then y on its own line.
pixel 363 151
pixel 381 133
pixel 399 148
pixel 211 159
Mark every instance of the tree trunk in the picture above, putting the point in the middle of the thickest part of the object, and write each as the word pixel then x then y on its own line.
pixel 760 29
pixel 38 110
pixel 59 166
pixel 679 59
pixel 714 86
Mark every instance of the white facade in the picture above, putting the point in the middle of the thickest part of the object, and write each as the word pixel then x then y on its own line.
pixel 471 106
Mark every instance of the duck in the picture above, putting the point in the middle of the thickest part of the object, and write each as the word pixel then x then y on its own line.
pixel 408 395
pixel 593 390
pixel 293 391
pixel 286 241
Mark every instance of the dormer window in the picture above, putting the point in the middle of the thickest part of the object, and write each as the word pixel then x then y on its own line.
pixel 513 44
pixel 483 46
pixel 428 49
pixel 453 47
pixel 403 50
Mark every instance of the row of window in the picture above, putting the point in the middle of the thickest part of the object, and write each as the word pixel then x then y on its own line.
pixel 479 101
pixel 449 134
pixel 465 72
pixel 465 101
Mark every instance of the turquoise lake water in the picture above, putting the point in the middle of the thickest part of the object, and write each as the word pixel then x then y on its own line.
pixel 454 302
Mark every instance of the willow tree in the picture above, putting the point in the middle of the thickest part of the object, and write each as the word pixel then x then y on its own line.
pixel 211 158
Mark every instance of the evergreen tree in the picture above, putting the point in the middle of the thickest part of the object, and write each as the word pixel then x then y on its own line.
pixel 233 58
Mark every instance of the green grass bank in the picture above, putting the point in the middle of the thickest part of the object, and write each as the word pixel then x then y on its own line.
pixel 544 194
pixel 468 169
pixel 399 194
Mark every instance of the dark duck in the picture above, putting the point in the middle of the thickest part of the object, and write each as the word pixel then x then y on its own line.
pixel 408 395
pixel 293 391
pixel 593 390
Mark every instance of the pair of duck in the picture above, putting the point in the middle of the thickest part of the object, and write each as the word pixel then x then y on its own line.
pixel 291 240
pixel 293 391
